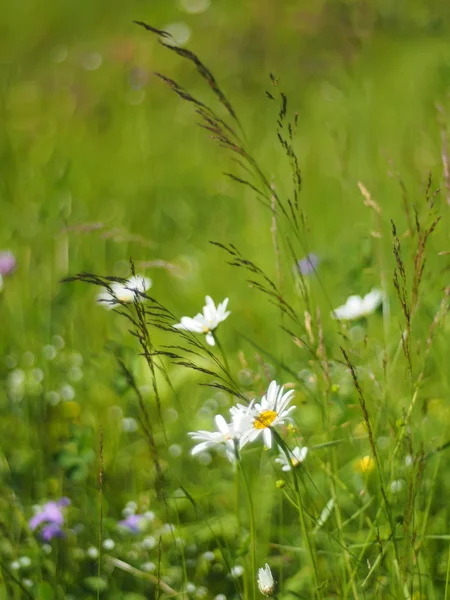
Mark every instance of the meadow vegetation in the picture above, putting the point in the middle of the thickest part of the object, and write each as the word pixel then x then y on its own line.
pixel 224 275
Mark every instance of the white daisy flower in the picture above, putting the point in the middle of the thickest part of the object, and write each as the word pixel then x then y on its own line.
pixel 223 437
pixel 206 322
pixel 293 460
pixel 259 418
pixel 124 292
pixel 357 307
pixel 242 417
pixel 265 581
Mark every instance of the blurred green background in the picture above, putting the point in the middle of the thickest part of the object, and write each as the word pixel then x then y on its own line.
pixel 101 162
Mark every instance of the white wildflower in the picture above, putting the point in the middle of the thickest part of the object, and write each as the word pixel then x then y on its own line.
pixel 259 418
pixel 293 460
pixel 397 485
pixel 124 292
pixel 224 436
pixel 92 552
pixel 25 561
pixel 209 556
pixel 325 514
pixel 357 307
pixel 237 571
pixel 207 321
pixel 265 581
pixel 109 544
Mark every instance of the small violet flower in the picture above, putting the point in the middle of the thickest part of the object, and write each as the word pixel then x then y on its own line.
pixel 134 523
pixel 7 265
pixel 207 321
pixel 52 518
pixel 7 262
pixel 308 264
pixel 127 292
pixel 357 307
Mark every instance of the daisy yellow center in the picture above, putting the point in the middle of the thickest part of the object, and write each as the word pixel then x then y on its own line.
pixel 205 329
pixel 265 419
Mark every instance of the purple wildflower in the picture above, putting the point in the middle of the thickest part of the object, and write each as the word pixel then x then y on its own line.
pixel 48 532
pixel 133 523
pixel 52 519
pixel 308 264
pixel 7 262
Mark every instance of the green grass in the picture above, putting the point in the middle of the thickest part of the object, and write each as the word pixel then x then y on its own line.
pixel 95 171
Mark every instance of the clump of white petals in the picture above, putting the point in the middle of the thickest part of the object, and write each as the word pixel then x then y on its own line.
pixel 207 321
pixel 223 437
pixel 260 418
pixel 357 307
pixel 126 292
pixel 247 423
pixel 266 583
pixel 293 460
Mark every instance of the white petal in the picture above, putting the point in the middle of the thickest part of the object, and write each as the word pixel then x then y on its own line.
pixel 271 394
pixel 117 288
pixel 190 325
pixel 210 302
pixel 210 339
pixel 372 300
pixel 199 448
pixel 106 299
pixel 300 453
pixel 126 296
pixel 352 309
pixel 139 283
pixel 267 436
pixel 221 424
pixel 209 310
pixel 247 436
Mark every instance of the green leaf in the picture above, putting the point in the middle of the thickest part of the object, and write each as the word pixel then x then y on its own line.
pixel 96 584
pixel 44 591
pixel 3 592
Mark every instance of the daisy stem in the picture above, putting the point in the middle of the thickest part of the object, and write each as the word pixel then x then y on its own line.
pixel 222 352
pixel 252 528
pixel 305 535
pixel 237 498
pixel 301 515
